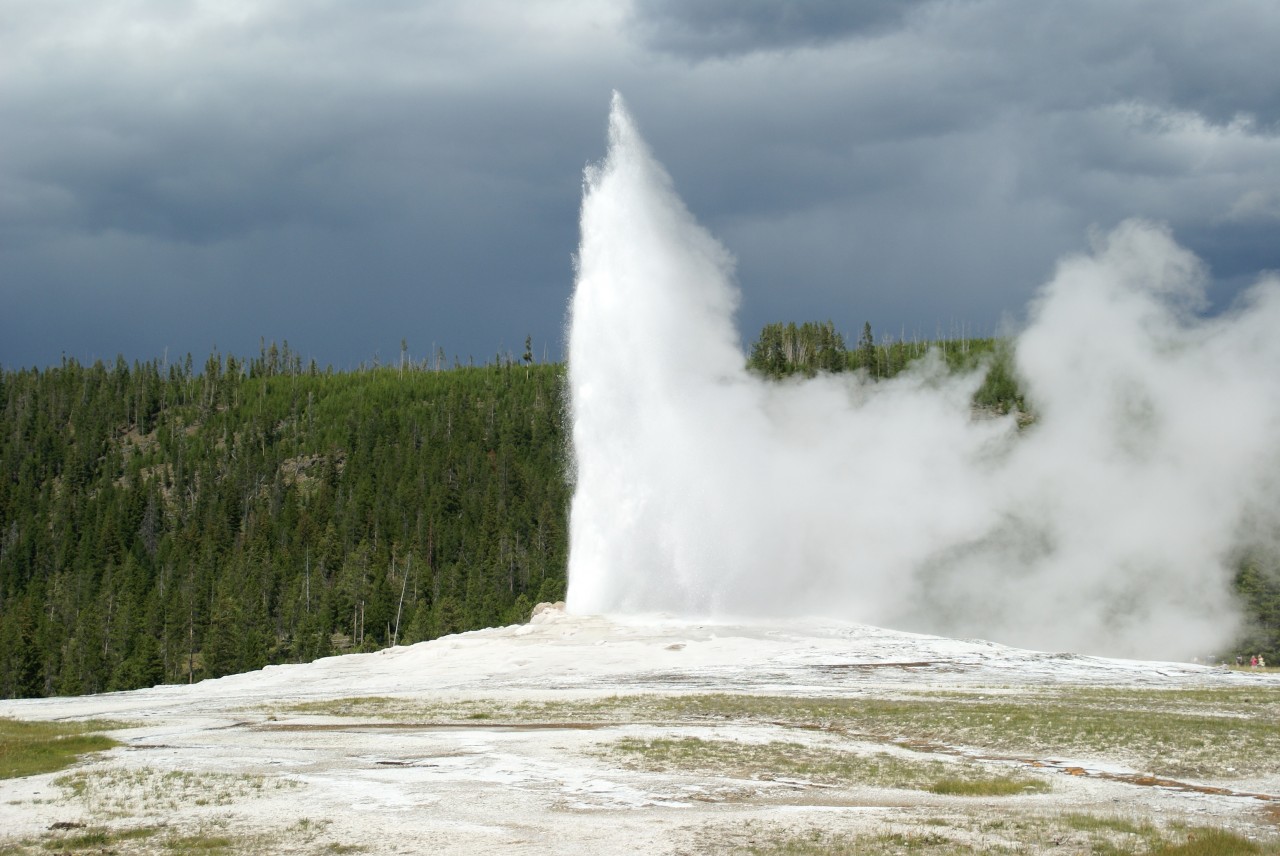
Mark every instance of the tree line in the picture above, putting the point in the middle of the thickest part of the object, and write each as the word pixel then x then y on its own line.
pixel 786 349
pixel 169 523
pixel 163 524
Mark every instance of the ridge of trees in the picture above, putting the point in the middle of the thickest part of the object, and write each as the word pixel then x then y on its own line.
pixel 784 350
pixel 159 524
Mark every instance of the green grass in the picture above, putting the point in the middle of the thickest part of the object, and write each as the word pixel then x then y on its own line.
pixel 988 786
pixel 94 840
pixel 1103 824
pixel 1210 842
pixel 32 748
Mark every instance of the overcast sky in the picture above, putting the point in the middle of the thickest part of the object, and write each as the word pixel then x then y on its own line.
pixel 179 175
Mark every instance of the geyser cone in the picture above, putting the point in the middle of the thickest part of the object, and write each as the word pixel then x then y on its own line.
pixel 1111 525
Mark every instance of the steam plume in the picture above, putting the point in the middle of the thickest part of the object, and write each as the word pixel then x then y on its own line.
pixel 1110 525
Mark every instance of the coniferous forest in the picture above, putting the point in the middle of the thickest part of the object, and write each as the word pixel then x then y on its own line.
pixel 166 523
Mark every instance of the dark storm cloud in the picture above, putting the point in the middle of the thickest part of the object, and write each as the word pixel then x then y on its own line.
pixel 697 29
pixel 175 174
pixel 936 169
pixel 179 176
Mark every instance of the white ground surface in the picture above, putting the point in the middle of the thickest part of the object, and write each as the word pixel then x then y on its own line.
pixel 480 787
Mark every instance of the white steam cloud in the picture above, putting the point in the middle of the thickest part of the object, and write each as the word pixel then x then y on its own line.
pixel 1111 524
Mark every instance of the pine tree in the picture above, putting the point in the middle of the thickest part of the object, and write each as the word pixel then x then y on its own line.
pixel 867 351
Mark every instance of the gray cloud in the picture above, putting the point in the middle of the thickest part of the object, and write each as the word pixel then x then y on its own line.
pixel 698 29
pixel 175 174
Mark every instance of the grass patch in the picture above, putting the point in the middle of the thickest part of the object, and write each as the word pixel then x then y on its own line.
pixel 1103 824
pixel 1211 842
pixel 817 764
pixel 97 840
pixel 988 786
pixel 355 706
pixel 202 839
pixel 199 843
pixel 33 748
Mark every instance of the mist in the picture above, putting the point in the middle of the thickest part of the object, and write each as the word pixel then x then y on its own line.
pixel 1112 524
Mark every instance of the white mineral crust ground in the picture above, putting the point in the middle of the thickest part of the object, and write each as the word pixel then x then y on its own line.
pixel 480 787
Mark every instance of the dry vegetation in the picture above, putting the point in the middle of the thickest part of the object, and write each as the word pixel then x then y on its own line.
pixel 119 792
pixel 1200 733
pixel 820 765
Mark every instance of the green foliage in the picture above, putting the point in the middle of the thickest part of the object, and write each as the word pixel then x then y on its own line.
pixel 809 348
pixel 1258 586
pixel 783 350
pixel 163 525
pixel 999 390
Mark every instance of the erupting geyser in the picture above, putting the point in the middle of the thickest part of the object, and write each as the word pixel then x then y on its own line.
pixel 1112 525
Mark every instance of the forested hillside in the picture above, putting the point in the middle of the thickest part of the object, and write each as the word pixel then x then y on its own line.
pixel 162 524
pixel 788 349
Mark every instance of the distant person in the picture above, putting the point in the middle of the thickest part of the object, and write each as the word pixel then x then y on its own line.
pixel 1239 659
pixel 1262 662
pixel 1253 661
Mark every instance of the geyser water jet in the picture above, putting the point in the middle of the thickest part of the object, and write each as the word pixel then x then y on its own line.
pixel 1111 525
